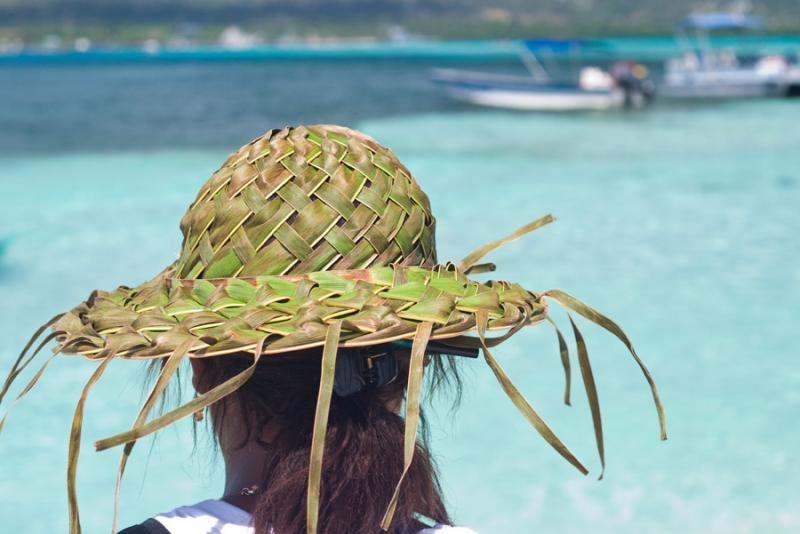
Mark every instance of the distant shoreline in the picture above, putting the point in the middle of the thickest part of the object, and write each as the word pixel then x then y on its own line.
pixel 643 48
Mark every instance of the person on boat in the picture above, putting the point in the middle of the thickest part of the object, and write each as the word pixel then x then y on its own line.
pixel 308 299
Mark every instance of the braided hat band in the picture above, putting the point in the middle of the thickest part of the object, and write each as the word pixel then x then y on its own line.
pixel 309 236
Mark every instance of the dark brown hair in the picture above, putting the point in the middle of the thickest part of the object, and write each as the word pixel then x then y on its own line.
pixel 363 448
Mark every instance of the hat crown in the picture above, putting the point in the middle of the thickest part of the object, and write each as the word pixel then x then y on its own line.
pixel 304 199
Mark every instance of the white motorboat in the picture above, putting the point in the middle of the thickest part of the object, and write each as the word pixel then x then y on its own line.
pixel 703 72
pixel 595 89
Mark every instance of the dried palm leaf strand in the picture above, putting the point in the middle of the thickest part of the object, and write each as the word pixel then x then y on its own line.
pixel 591 394
pixel 16 368
pixel 75 447
pixel 198 403
pixel 168 370
pixel 412 415
pixel 328 368
pixel 601 320
pixel 520 401
pixel 474 256
pixel 27 387
pixel 563 350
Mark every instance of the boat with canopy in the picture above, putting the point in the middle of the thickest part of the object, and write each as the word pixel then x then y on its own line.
pixel 595 89
pixel 705 72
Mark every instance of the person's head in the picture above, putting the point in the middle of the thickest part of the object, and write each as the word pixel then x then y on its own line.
pixel 314 238
pixel 269 421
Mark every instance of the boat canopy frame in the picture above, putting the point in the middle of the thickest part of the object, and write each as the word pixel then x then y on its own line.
pixel 529 49
pixel 692 32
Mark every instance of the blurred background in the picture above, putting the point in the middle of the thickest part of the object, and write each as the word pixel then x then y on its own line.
pixel 663 136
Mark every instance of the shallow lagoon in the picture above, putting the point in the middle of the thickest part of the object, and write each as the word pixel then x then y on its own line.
pixel 679 222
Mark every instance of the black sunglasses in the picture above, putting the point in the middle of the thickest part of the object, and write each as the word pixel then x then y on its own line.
pixel 372 367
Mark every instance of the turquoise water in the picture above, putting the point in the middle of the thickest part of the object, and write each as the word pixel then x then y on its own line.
pixel 681 223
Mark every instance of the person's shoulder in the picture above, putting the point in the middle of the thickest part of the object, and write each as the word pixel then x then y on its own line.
pixel 446 529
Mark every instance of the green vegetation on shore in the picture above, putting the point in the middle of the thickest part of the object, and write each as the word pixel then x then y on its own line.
pixel 202 21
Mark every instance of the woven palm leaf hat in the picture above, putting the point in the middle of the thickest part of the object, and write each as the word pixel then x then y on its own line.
pixel 309 236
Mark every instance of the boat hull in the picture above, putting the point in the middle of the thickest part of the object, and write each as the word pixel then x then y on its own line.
pixel 723 84
pixel 538 101
pixel 521 93
pixel 720 92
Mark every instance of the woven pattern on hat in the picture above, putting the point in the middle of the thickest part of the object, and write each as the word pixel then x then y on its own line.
pixel 306 199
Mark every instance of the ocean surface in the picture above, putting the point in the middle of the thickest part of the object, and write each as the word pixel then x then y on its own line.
pixel 680 222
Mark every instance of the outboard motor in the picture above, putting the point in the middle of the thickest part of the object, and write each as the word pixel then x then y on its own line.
pixel 632 78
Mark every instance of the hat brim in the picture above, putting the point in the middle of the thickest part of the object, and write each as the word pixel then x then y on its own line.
pixel 291 312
